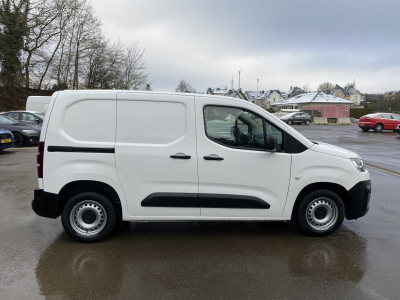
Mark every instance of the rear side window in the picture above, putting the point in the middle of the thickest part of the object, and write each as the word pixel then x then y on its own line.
pixel 150 122
pixel 385 116
pixel 90 121
pixel 238 128
pixel 15 116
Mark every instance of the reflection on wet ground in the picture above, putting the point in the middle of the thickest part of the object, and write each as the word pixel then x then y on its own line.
pixel 181 260
pixel 213 259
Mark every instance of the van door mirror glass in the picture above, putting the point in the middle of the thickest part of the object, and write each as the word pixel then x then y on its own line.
pixel 271 144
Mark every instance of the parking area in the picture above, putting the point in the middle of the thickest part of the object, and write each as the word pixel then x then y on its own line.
pixel 207 260
pixel 377 149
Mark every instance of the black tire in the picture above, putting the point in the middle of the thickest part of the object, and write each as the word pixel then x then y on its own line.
pixel 365 129
pixel 312 207
pixel 378 127
pixel 98 209
pixel 18 139
pixel 290 122
pixel 394 130
pixel 308 122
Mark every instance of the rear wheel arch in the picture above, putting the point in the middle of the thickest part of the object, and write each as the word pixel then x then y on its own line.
pixel 76 187
pixel 334 187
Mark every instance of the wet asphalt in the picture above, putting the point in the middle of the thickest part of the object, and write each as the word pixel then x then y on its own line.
pixel 377 149
pixel 202 260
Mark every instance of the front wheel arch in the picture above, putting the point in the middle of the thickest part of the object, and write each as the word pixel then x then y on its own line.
pixel 334 187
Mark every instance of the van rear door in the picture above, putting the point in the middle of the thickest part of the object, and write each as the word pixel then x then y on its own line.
pixel 156 156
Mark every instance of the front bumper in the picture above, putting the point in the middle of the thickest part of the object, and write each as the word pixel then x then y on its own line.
pixel 45 204
pixel 360 196
pixel 31 139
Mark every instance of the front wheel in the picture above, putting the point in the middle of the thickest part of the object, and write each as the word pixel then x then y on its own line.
pixel 18 139
pixel 88 217
pixel 320 213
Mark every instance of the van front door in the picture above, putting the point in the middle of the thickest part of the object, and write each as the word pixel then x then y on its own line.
pixel 237 176
pixel 155 153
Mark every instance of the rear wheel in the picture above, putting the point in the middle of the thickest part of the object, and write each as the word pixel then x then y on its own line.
pixel 18 139
pixel 365 129
pixel 290 122
pixel 88 217
pixel 378 128
pixel 308 122
pixel 320 213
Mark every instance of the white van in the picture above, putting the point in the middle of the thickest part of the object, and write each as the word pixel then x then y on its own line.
pixel 37 103
pixel 106 156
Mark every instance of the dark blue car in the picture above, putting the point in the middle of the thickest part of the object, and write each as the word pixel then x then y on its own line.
pixel 6 139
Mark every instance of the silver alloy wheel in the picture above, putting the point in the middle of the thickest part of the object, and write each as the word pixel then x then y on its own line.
pixel 379 127
pixel 88 218
pixel 322 214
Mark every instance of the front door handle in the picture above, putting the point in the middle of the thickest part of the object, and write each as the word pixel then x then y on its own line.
pixel 213 158
pixel 181 156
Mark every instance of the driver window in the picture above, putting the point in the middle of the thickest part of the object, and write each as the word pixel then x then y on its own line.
pixel 234 127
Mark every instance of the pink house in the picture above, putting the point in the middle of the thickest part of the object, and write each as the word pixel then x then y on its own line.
pixel 331 111
pixel 329 105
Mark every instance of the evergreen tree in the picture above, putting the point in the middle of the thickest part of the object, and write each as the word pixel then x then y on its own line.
pixel 12 32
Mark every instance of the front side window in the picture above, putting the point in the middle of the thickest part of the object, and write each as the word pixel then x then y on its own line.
pixel 239 128
pixel 396 117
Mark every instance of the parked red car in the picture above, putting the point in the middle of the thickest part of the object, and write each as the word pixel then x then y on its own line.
pixel 379 122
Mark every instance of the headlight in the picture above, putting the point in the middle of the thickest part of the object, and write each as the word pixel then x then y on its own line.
pixel 30 131
pixel 359 163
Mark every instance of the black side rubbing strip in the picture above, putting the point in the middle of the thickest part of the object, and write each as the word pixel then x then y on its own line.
pixel 203 200
pixel 231 201
pixel 79 149
pixel 171 200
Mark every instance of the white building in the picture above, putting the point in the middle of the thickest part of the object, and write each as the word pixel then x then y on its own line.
pixel 264 98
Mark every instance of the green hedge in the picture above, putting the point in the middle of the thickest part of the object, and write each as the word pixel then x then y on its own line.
pixel 359 112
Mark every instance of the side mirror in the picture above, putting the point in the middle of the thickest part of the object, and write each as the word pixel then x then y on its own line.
pixel 271 144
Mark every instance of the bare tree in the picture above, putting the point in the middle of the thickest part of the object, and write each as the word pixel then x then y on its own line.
pixel 306 88
pixel 185 87
pixel 325 87
pixel 132 70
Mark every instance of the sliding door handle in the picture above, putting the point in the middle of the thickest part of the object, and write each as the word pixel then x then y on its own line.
pixel 181 156
pixel 213 158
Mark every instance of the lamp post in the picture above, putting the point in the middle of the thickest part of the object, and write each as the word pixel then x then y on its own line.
pixel 239 78
pixel 257 83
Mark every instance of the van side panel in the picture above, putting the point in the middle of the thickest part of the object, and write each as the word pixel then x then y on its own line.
pixel 81 138
pixel 37 103
pixel 151 130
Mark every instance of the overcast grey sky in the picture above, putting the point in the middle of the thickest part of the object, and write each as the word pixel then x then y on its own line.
pixel 281 42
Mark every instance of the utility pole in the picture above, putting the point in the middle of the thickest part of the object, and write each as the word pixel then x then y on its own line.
pixel 239 78
pixel 257 83
pixel 232 82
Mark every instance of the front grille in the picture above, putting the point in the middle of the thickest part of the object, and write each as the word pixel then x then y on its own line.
pixel 4 136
